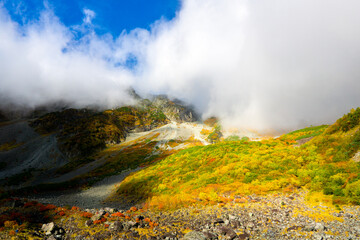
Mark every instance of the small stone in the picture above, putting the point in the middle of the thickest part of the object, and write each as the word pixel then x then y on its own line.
pixel 48 228
pixel 210 235
pixel 318 236
pixel 88 223
pixel 243 236
pixel 235 223
pixel 319 227
pixel 116 226
pixel 110 210
pixel 228 232
pixel 250 225
pixel 270 234
pixel 194 235
pixel 348 215
pixel 97 216
pixel 61 231
pixel 129 224
pixel 309 228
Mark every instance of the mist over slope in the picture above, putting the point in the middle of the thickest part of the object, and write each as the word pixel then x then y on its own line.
pixel 259 65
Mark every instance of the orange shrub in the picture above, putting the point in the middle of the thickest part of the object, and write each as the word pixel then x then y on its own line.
pixel 30 204
pixel 46 207
pixel 86 214
pixel 10 224
pixel 74 208
pixel 240 200
pixel 61 213
pixel 153 224
pixel 147 220
pixel 127 217
pixel 97 221
pixel 133 209
pixel 118 214
pixel 12 233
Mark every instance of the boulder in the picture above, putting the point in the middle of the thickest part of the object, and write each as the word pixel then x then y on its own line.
pixel 229 233
pixel 116 226
pixel 48 228
pixel 194 235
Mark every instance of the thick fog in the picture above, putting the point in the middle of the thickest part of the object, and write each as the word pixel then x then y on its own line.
pixel 264 65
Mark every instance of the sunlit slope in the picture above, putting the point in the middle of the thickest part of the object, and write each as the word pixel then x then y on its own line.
pixel 206 174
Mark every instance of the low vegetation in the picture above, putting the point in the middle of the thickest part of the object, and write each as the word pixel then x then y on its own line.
pixel 308 132
pixel 205 174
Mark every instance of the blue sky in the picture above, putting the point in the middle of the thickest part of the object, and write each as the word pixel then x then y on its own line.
pixel 112 16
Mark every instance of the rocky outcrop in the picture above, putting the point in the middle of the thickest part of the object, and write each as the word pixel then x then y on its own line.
pixel 52 231
pixel 175 110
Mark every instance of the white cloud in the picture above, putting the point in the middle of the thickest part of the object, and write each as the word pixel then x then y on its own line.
pixel 257 64
pixel 35 68
pixel 89 15
pixel 261 64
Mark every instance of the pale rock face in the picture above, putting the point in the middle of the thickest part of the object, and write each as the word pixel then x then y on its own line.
pixel 356 157
pixel 175 110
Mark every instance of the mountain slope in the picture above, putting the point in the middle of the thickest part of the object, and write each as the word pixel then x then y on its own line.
pixel 67 140
pixel 206 174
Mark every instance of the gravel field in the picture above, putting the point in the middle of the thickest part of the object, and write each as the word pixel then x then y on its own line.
pixel 90 198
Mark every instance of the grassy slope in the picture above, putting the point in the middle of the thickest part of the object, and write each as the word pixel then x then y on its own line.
pixel 207 173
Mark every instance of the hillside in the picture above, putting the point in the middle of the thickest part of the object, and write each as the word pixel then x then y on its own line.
pixel 135 174
pixel 56 143
pixel 328 163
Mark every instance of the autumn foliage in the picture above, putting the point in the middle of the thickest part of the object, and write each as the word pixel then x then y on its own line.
pixel 204 174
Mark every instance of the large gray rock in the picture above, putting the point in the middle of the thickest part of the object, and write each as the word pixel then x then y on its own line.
pixel 129 224
pixel 194 235
pixel 116 226
pixel 210 235
pixel 229 233
pixel 98 216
